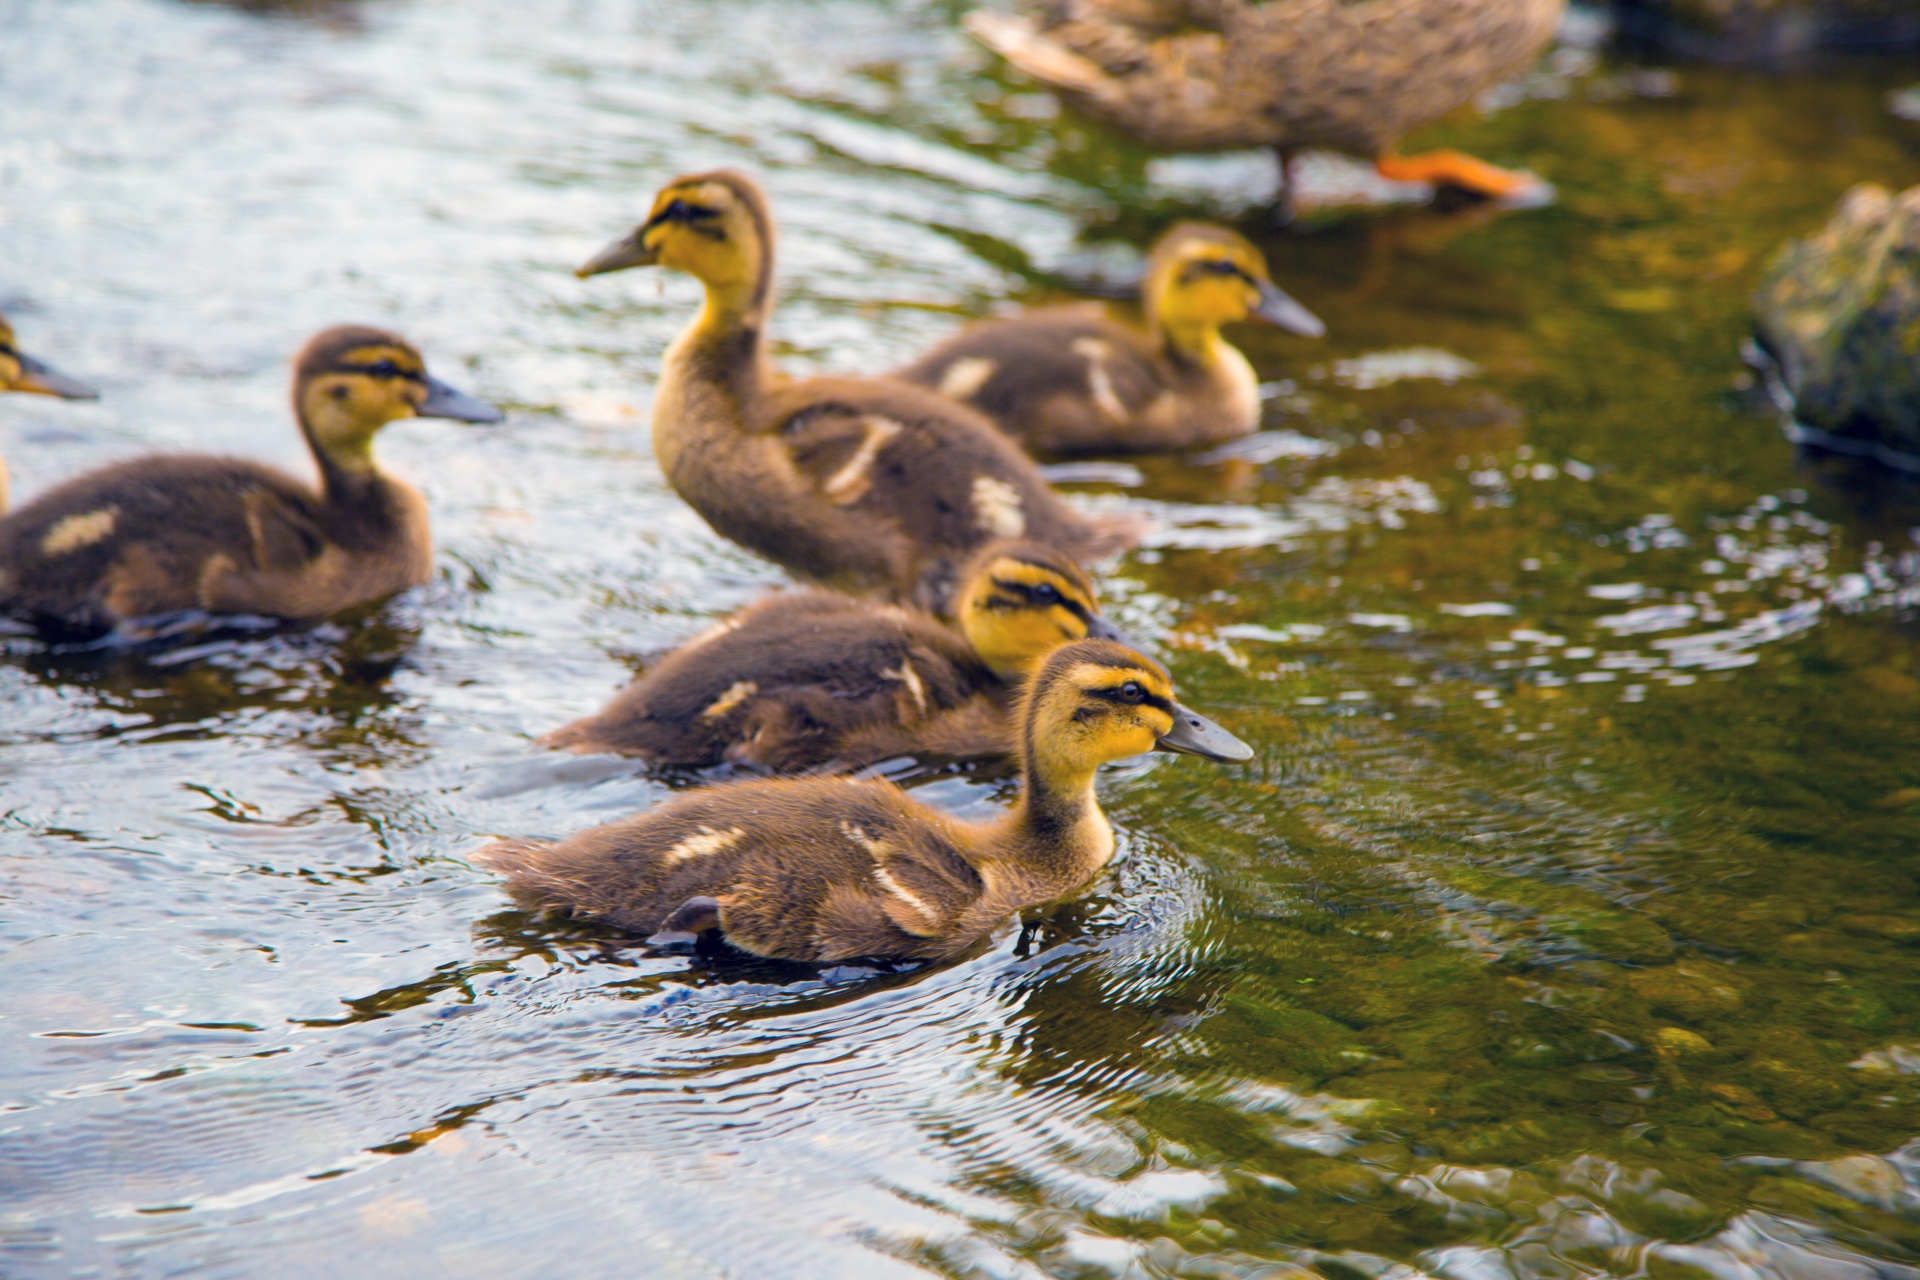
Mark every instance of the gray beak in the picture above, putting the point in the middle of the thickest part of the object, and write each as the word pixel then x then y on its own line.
pixel 444 402
pixel 1098 628
pixel 1278 309
pixel 628 251
pixel 1195 735
pixel 36 377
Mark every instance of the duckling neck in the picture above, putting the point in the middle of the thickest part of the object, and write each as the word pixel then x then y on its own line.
pixel 360 505
pixel 712 376
pixel 1062 836
pixel 1196 344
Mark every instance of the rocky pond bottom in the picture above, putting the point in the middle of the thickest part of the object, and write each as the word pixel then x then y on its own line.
pixel 1566 922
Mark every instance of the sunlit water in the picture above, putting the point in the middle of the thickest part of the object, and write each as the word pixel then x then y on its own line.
pixel 1565 923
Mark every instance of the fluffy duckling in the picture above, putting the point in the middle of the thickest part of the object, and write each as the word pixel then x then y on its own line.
pixel 171 533
pixel 21 372
pixel 1353 75
pixel 805 679
pixel 1071 380
pixel 826 870
pixel 870 484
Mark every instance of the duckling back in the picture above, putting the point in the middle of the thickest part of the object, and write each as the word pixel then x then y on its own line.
pixel 796 681
pixel 816 870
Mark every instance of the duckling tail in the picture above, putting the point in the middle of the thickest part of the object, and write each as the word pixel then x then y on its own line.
pixel 510 857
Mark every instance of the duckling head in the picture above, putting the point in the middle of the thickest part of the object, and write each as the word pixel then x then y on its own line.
pixel 21 372
pixel 1201 277
pixel 350 381
pixel 1019 600
pixel 1097 700
pixel 714 226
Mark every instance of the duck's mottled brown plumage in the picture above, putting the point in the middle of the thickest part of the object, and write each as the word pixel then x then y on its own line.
pixel 811 679
pixel 868 484
pixel 1071 380
pixel 824 870
pixel 172 533
pixel 1205 75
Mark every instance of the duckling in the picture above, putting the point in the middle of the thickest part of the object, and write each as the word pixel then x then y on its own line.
pixel 1353 75
pixel 824 870
pixel 21 372
pixel 805 679
pixel 1068 380
pixel 166 534
pixel 868 484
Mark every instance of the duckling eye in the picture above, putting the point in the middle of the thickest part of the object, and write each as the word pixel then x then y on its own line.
pixel 1131 692
pixel 1047 593
pixel 384 369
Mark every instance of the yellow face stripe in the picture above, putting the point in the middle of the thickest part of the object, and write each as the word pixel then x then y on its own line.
pixel 402 359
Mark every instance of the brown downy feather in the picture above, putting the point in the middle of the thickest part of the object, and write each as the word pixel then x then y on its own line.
pixel 868 484
pixel 813 679
pixel 830 869
pixel 191 532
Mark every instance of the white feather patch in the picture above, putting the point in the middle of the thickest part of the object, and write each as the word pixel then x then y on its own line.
pixel 911 678
pixel 851 482
pixel 79 531
pixel 736 694
pixel 1099 381
pixel 704 843
pixel 996 508
pixel 966 376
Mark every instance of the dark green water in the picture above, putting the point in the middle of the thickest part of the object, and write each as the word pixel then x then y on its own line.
pixel 1565 924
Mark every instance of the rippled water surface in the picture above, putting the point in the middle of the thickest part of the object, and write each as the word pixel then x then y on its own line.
pixel 1565 923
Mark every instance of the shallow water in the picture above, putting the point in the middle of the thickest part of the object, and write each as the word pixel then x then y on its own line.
pixel 1565 923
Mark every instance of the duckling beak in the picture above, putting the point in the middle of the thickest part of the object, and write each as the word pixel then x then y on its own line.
pixel 444 402
pixel 628 251
pixel 1277 308
pixel 1195 735
pixel 1098 628
pixel 38 378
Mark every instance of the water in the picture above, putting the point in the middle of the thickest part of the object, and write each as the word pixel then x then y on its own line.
pixel 1564 924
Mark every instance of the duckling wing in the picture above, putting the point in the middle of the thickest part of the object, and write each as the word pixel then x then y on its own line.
pixel 152 536
pixel 786 685
pixel 935 471
pixel 1062 380
pixel 803 869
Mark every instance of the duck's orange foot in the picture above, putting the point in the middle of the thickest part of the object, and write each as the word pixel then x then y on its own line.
pixel 1466 173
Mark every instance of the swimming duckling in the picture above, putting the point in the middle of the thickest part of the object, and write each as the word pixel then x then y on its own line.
pixel 171 533
pixel 811 678
pixel 21 372
pixel 1073 380
pixel 870 484
pixel 824 870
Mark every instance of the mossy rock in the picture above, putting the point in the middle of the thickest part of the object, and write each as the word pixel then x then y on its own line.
pixel 1840 312
pixel 1770 30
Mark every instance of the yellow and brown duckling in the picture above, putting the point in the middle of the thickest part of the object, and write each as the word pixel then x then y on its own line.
pixel 21 372
pixel 824 870
pixel 1069 380
pixel 809 679
pixel 868 484
pixel 177 533
pixel 1351 75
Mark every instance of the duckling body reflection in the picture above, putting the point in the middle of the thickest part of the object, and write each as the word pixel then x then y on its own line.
pixel 1069 380
pixel 868 484
pixel 21 372
pixel 805 679
pixel 826 870
pixel 169 534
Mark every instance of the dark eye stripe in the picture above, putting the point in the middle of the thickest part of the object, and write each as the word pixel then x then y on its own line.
pixel 1030 596
pixel 1213 267
pixel 384 369
pixel 1148 698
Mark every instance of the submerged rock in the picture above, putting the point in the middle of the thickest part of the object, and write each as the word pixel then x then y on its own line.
pixel 1770 30
pixel 1840 313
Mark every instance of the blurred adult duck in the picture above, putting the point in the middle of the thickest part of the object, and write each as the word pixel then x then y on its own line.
pixel 867 484
pixel 170 534
pixel 1350 75
pixel 806 679
pixel 21 372
pixel 830 869
pixel 1068 380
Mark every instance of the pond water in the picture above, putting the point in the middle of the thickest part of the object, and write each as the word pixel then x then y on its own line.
pixel 1565 923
